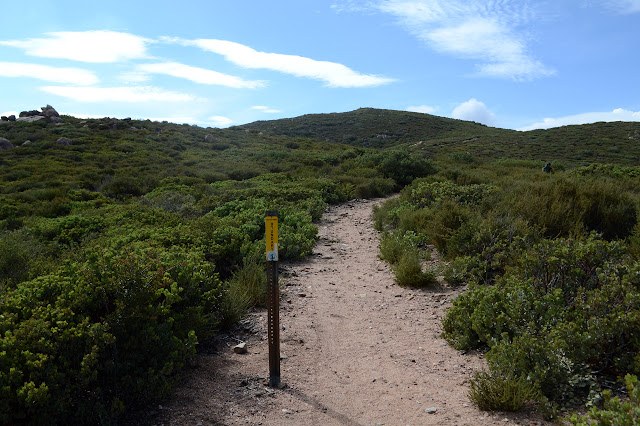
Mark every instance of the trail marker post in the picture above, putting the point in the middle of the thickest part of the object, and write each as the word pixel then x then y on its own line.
pixel 273 297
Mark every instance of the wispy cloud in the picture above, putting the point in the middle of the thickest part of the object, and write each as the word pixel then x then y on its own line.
pixel 198 75
pixel 332 73
pixel 266 109
pixel 491 32
pixel 474 110
pixel 618 114
pixel 424 109
pixel 220 121
pixel 85 46
pixel 624 7
pixel 47 73
pixel 118 94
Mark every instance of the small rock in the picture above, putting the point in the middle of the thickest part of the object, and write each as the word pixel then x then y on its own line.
pixel 5 144
pixel 302 295
pixel 285 411
pixel 64 141
pixel 431 410
pixel 240 348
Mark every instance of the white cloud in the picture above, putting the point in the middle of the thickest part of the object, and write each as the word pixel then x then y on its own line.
pixel 118 94
pixel 424 109
pixel 198 75
pixel 8 113
pixel 332 73
pixel 85 46
pixel 487 31
pixel 474 110
pixel 134 77
pixel 266 109
pixel 624 7
pixel 220 121
pixel 47 73
pixel 617 114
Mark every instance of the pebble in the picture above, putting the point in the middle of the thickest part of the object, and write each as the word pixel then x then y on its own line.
pixel 240 348
pixel 431 410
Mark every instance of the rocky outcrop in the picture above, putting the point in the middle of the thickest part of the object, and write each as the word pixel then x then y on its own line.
pixel 209 138
pixel 64 141
pixel 30 118
pixel 48 113
pixel 9 118
pixel 5 144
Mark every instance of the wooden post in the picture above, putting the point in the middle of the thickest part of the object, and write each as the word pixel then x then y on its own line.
pixel 273 297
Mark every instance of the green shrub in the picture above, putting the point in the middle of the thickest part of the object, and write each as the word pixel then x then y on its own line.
pixel 498 392
pixel 615 411
pixel 568 207
pixel 409 271
pixel 24 257
pixel 570 309
pixel 465 270
pixel 246 288
pixel 82 343
pixel 394 246
pixel 447 219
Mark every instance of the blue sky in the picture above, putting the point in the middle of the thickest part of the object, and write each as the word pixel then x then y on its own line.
pixel 512 64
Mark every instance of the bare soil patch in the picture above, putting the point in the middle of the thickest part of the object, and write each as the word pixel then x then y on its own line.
pixel 356 348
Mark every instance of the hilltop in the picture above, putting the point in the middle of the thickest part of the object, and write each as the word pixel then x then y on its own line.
pixel 435 136
pixel 377 128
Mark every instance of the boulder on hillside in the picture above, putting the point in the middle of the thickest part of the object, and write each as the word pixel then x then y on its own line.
pixel 12 118
pixel 64 141
pixel 30 118
pixel 48 113
pixel 209 138
pixel 31 113
pixel 5 144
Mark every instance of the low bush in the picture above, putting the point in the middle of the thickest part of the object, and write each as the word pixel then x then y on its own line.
pixel 246 288
pixel 85 342
pixel 569 312
pixel 497 392
pixel 409 271
pixel 615 410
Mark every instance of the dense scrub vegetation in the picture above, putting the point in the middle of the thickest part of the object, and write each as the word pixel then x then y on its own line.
pixel 551 263
pixel 125 248
pixel 463 141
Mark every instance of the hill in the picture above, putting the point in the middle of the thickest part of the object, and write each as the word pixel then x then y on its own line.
pixel 441 137
pixel 377 128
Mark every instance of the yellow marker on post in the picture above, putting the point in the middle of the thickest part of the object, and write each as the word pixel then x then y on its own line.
pixel 271 221
pixel 273 297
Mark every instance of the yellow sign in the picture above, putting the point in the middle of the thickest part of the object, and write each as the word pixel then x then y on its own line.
pixel 272 238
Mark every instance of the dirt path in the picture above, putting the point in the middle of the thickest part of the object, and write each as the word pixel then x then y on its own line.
pixel 357 349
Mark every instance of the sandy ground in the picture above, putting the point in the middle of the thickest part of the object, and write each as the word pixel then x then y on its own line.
pixel 356 349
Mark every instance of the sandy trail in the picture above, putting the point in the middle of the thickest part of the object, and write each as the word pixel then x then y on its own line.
pixel 357 349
